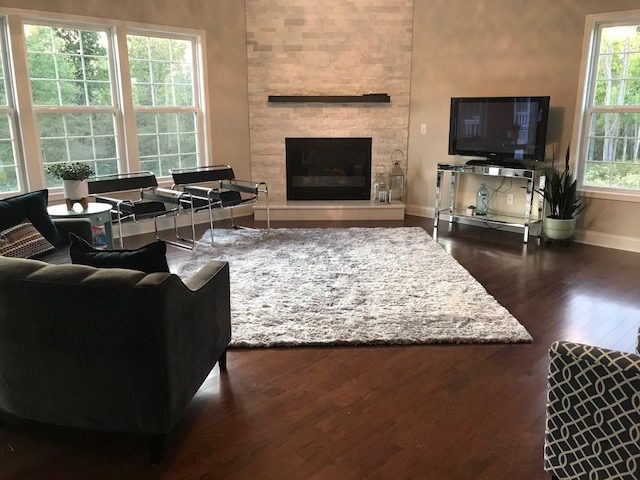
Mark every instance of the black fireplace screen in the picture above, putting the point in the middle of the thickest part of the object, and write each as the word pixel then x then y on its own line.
pixel 328 168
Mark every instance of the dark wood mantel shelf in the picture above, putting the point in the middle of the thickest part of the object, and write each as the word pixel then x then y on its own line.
pixel 365 98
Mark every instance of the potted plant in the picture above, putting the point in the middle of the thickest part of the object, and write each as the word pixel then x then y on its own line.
pixel 74 180
pixel 560 193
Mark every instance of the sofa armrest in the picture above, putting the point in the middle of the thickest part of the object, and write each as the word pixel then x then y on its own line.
pixel 80 226
pixel 204 276
pixel 197 331
pixel 611 359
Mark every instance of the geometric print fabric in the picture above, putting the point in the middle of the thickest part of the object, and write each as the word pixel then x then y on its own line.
pixel 593 413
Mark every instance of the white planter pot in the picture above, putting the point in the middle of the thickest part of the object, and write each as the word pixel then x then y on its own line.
pixel 559 229
pixel 76 189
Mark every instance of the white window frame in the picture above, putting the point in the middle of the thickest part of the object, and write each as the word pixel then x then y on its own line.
pixel 199 89
pixel 115 109
pixel 586 95
pixel 28 151
pixel 10 108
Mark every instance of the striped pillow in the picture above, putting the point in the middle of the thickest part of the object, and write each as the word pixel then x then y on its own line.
pixel 23 241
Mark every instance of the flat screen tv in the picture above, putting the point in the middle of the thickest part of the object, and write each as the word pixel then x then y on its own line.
pixel 499 129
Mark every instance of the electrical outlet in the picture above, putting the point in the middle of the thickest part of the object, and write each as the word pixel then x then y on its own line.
pixel 423 129
pixel 510 199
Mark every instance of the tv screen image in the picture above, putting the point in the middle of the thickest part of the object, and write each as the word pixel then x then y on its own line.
pixel 499 128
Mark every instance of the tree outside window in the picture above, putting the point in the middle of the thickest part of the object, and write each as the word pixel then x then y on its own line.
pixel 164 97
pixel 71 86
pixel 613 112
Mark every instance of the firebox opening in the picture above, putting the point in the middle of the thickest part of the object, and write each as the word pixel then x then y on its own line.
pixel 328 168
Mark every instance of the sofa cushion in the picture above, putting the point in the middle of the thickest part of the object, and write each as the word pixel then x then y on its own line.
pixel 33 207
pixel 149 259
pixel 23 241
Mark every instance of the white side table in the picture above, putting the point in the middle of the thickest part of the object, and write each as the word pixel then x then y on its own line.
pixel 98 213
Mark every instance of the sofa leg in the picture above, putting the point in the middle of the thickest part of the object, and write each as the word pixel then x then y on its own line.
pixel 222 361
pixel 156 448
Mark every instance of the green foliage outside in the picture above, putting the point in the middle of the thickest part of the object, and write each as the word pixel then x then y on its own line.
pixel 68 67
pixel 71 67
pixel 8 173
pixel 161 71
pixel 613 156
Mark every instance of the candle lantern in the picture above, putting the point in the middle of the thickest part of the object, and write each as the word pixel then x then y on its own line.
pixel 380 192
pixel 396 177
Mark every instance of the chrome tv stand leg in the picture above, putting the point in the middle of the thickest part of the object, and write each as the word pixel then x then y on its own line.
pixel 527 209
pixel 436 213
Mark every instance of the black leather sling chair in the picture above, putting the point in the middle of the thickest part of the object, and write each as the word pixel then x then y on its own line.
pixel 153 202
pixel 216 186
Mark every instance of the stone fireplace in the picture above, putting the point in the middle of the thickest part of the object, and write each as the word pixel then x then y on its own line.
pixel 326 48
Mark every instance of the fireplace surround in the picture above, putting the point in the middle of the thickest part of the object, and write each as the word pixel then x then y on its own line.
pixel 313 71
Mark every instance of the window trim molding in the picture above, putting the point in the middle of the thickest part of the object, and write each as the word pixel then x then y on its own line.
pixel 11 109
pixel 31 162
pixel 590 46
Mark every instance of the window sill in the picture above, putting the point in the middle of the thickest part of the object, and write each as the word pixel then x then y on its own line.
pixel 633 196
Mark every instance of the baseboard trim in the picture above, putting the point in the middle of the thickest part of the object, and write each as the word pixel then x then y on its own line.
pixel 420 211
pixel 607 240
pixel 588 237
pixel 130 229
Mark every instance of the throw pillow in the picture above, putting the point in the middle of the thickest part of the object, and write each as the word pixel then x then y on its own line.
pixel 148 259
pixel 33 207
pixel 23 241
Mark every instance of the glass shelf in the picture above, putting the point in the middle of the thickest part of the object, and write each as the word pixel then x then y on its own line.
pixel 504 219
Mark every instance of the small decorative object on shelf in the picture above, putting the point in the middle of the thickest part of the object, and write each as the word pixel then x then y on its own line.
pixel 471 210
pixel 383 195
pixel 396 177
pixel 380 185
pixel 100 239
pixel 74 179
pixel 482 200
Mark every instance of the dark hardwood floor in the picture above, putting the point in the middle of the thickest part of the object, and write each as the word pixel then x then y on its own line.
pixel 425 412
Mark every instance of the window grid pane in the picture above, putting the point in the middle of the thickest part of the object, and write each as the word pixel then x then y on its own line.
pixel 68 66
pixel 161 71
pixel 167 141
pixel 612 157
pixel 88 138
pixel 9 179
pixel 162 76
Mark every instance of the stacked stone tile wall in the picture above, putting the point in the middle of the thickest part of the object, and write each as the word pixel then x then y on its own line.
pixel 328 47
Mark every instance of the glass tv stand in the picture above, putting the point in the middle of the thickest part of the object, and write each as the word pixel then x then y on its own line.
pixel 532 174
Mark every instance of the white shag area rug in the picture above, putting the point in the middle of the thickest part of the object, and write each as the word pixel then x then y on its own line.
pixel 346 286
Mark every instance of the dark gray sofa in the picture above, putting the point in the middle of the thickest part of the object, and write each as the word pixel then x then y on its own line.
pixel 108 349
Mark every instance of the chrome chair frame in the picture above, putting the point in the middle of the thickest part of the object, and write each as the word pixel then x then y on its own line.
pixel 148 193
pixel 210 198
